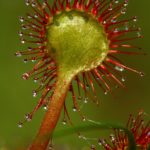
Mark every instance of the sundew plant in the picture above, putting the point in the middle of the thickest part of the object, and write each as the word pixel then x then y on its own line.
pixel 77 44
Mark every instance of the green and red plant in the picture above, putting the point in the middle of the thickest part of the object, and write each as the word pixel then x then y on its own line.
pixel 74 41
pixel 140 130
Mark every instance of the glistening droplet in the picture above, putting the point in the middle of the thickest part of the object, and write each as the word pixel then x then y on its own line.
pixel 121 69
pixel 18 54
pixel 93 147
pixel 74 109
pixel 34 93
pixel 28 117
pixel 25 76
pixel 142 74
pixel 45 107
pixel 86 100
pixel 64 122
pixel 20 124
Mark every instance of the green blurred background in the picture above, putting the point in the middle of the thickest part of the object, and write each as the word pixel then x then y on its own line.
pixel 16 96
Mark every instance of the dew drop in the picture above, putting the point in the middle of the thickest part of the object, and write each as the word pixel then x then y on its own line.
pixel 42 83
pixel 35 79
pixel 121 69
pixel 135 18
pixel 30 48
pixel 20 33
pixel 24 27
pixel 31 35
pixel 25 76
pixel 33 4
pixel 83 119
pixel 79 136
pixel 123 11
pixel 22 41
pixel 126 3
pixel 48 88
pixel 116 30
pixel 116 1
pixel 139 34
pixel 93 147
pixel 82 137
pixel 33 59
pixel 44 4
pixel 50 147
pixel 106 92
pixel 97 78
pixel 101 142
pixel 36 15
pixel 79 97
pixel 104 22
pixel 142 74
pixel 86 100
pixel 121 130
pixel 18 54
pixel 33 26
pixel 64 122
pixel 21 19
pixel 27 2
pixel 25 60
pixel 87 87
pixel 74 109
pixel 113 20
pixel 20 124
pixel 110 8
pixel 45 107
pixel 123 79
pixel 112 137
pixel 28 117
pixel 139 29
pixel 126 28
pixel 29 16
pixel 34 93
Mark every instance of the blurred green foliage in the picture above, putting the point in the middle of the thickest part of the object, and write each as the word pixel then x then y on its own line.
pixel 16 97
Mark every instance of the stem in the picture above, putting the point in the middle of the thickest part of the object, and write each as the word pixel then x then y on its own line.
pixel 52 115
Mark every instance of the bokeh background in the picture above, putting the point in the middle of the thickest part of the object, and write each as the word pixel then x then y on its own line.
pixel 16 95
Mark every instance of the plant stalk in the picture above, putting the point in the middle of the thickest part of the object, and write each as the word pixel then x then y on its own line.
pixel 52 115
